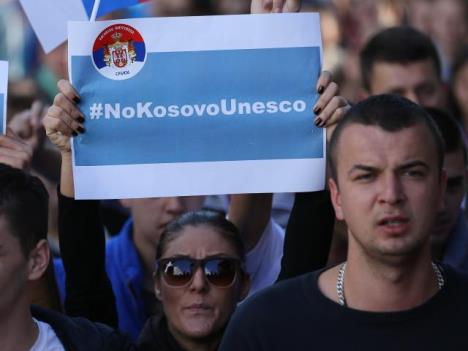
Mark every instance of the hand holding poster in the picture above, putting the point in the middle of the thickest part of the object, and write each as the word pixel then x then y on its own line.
pixel 197 105
pixel 3 95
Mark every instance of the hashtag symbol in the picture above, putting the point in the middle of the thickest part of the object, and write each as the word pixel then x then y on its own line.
pixel 96 111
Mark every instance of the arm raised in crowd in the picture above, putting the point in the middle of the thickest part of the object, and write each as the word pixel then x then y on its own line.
pixel 28 127
pixel 310 227
pixel 14 151
pixel 251 212
pixel 82 242
pixel 308 234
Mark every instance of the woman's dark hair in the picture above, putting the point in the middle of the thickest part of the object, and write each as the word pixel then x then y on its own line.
pixel 225 228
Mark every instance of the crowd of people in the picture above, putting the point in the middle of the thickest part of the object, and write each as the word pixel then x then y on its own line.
pixel 378 259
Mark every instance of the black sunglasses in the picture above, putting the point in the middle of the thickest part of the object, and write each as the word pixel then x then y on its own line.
pixel 219 271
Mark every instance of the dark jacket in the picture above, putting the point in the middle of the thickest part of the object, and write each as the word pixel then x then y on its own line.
pixel 79 334
pixel 156 336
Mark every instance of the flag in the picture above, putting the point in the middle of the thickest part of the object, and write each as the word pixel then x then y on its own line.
pixel 49 18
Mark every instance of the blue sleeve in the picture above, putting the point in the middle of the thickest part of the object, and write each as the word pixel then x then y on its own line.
pixel 60 279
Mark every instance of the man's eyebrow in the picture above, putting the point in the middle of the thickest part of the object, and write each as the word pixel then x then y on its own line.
pixel 361 167
pixel 411 164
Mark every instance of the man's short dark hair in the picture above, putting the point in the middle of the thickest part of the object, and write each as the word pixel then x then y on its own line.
pixel 392 113
pixel 24 203
pixel 400 45
pixel 450 129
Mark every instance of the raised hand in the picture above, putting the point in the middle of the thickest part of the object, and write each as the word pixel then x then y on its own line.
pixel 14 151
pixel 64 119
pixel 330 107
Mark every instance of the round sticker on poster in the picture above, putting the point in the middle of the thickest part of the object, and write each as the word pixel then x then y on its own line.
pixel 119 52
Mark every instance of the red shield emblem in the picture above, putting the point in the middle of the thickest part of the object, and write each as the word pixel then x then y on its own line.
pixel 119 56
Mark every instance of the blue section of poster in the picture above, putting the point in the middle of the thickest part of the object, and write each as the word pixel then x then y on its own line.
pixel 202 106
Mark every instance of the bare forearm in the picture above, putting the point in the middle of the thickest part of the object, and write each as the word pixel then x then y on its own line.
pixel 250 213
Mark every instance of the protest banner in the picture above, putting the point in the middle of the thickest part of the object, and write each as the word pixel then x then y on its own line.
pixel 49 18
pixel 197 105
pixel 3 95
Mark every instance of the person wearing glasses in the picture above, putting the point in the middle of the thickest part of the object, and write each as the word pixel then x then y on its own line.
pixel 199 275
pixel 199 278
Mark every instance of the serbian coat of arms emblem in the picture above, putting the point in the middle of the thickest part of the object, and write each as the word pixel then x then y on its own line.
pixel 119 52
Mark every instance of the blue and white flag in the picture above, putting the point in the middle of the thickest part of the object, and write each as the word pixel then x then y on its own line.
pixel 49 17
pixel 3 95
pixel 197 105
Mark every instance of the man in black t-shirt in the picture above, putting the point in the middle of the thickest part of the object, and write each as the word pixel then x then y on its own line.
pixel 387 183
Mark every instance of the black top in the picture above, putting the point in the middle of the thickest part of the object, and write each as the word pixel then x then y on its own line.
pixel 79 334
pixel 308 234
pixel 82 244
pixel 295 315
pixel 156 336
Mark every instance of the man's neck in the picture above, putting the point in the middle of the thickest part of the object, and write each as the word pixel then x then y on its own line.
pixel 18 331
pixel 378 286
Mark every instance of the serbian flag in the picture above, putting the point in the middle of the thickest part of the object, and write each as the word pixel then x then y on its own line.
pixel 49 18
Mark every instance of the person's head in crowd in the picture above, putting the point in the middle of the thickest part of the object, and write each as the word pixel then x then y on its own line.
pixel 419 14
pixel 200 277
pixel 403 61
pixel 151 216
pixel 459 86
pixel 24 252
pixel 388 185
pixel 455 167
pixel 450 26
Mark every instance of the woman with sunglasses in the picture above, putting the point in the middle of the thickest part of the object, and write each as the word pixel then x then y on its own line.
pixel 199 274
pixel 199 278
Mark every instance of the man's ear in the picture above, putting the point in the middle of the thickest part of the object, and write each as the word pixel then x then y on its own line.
pixel 335 198
pixel 38 260
pixel 245 286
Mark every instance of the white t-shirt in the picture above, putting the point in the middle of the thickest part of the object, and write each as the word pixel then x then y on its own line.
pixel 47 339
pixel 263 262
